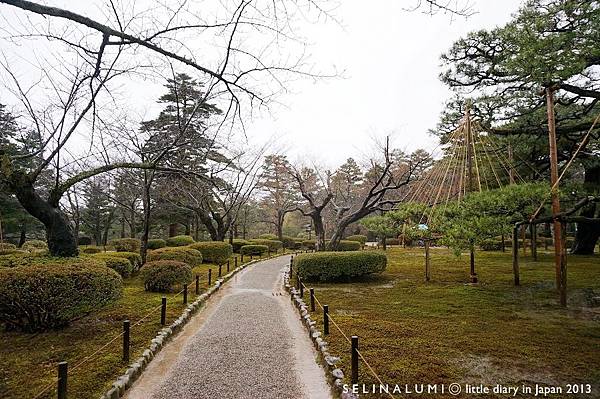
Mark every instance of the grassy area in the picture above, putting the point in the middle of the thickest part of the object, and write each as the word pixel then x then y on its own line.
pixel 446 331
pixel 29 361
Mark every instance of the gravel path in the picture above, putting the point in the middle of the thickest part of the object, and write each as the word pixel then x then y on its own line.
pixel 250 345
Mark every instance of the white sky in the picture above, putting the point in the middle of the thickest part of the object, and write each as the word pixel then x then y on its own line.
pixel 391 62
pixel 390 85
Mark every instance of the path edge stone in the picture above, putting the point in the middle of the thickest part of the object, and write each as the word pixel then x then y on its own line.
pixel 166 334
pixel 335 376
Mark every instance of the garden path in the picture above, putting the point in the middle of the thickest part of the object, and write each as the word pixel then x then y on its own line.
pixel 248 342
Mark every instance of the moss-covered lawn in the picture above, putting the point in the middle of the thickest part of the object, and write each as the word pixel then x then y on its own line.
pixel 28 362
pixel 446 331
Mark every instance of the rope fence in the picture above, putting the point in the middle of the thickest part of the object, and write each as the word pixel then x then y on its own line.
pixel 328 318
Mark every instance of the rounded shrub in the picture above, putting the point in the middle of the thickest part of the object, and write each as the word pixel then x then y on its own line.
pixel 90 249
pixel 156 243
pixel 134 258
pixel 345 245
pixel 120 265
pixel 339 266
pixel 187 255
pixel 254 249
pixel 357 237
pixel 490 244
pixel 83 240
pixel 239 243
pixel 309 244
pixel 213 251
pixel 268 237
pixel 273 245
pixel 392 241
pixel 179 241
pixel 54 292
pixel 18 258
pixel 162 275
pixel 7 248
pixel 291 242
pixel 35 245
pixel 126 244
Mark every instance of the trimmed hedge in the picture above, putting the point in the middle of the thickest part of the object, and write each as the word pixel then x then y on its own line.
pixel 90 249
pixel 357 237
pixel 126 244
pixel 54 292
pixel 8 248
pixel 239 243
pixel 161 275
pixel 254 249
pixel 156 243
pixel 309 244
pixel 392 241
pixel 179 241
pixel 339 266
pixel 187 255
pixel 134 258
pixel 274 245
pixel 35 245
pixel 213 251
pixel 19 258
pixel 120 265
pixel 346 245
pixel 268 237
pixel 291 242
pixel 491 244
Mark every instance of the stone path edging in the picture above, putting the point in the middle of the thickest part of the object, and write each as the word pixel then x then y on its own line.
pixel 135 369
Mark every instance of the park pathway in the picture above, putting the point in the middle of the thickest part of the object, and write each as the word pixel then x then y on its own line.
pixel 248 342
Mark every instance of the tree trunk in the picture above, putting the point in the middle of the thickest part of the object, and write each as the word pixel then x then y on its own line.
pixel 188 228
pixel 122 227
pixel 279 224
pixel 146 215
pixel 587 234
pixel 23 236
pixel 172 229
pixel 384 242
pixel 60 237
pixel 319 232
pixel 132 224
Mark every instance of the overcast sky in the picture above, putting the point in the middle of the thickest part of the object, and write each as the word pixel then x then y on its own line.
pixel 391 85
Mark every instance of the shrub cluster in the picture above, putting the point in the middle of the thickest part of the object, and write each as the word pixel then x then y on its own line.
pixel 156 243
pixel 217 252
pixel 273 245
pixel 268 237
pixel 83 240
pixel 254 249
pixel 54 292
pixel 357 237
pixel 35 245
pixel 392 241
pixel 339 266
pixel 179 241
pixel 19 258
pixel 120 265
pixel 239 243
pixel 126 244
pixel 491 244
pixel 309 244
pixel 345 245
pixel 292 242
pixel 89 249
pixel 191 256
pixel 162 275
pixel 7 248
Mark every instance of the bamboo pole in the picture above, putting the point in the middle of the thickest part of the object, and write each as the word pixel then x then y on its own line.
pixel 560 258
pixel 469 137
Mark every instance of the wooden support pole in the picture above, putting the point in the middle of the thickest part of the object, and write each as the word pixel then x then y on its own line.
pixel 427 261
pixel 163 311
pixel 62 380
pixel 312 299
pixel 533 232
pixel 560 258
pixel 354 359
pixel 197 284
pixel 325 319
pixel 515 255
pixel 185 293
pixel 209 277
pixel 126 340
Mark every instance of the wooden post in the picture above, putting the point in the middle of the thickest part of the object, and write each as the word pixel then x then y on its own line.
pixel 126 331
pixel 325 319
pixel 515 255
pixel 209 277
pixel 185 292
pixel 227 266
pixel 220 270
pixel 163 311
pixel 197 284
pixel 560 259
pixel 354 359
pixel 427 261
pixel 312 299
pixel 62 380
pixel 524 239
pixel 301 287
pixel 503 243
pixel 235 262
pixel 241 258
pixel 511 170
pixel 472 264
pixel 533 232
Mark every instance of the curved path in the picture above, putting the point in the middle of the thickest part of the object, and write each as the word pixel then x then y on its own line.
pixel 247 342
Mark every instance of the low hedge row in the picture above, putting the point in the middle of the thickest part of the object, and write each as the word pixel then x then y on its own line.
pixel 54 292
pixel 345 245
pixel 339 266
pixel 120 265
pixel 89 249
pixel 34 245
pixel 239 243
pixel 191 256
pixel 274 245
pixel 268 237
pixel 357 237
pixel 309 244
pixel 213 251
pixel 179 241
pixel 254 249
pixel 7 248
pixel 162 275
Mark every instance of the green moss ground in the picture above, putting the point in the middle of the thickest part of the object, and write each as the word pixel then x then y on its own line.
pixel 447 331
pixel 29 361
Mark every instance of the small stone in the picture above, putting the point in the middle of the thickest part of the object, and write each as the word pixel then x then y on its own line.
pixel 337 373
pixel 113 393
